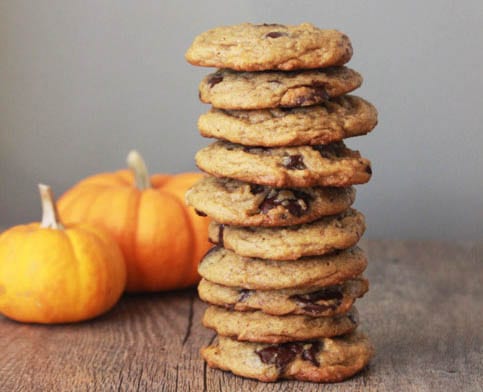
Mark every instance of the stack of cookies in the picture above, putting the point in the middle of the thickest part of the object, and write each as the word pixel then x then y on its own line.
pixel 285 272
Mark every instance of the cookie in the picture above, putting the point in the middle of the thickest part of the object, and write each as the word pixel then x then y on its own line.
pixel 225 267
pixel 321 360
pixel 264 328
pixel 305 166
pixel 328 122
pixel 292 242
pixel 237 203
pixel 320 302
pixel 250 47
pixel 226 89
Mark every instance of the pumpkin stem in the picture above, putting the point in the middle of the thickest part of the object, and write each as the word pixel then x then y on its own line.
pixel 50 215
pixel 136 163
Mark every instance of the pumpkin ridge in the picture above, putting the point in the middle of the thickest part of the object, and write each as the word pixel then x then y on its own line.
pixel 101 272
pixel 78 272
pixel 133 239
pixel 70 199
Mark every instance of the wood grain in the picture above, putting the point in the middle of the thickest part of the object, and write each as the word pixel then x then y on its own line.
pixel 424 313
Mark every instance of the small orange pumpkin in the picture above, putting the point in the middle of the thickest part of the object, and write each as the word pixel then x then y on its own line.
pixel 55 274
pixel 162 240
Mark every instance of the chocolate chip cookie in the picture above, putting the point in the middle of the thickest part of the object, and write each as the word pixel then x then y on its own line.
pixel 321 360
pixel 237 203
pixel 250 47
pixel 328 122
pixel 226 89
pixel 305 166
pixel 264 328
pixel 319 302
pixel 292 242
pixel 225 267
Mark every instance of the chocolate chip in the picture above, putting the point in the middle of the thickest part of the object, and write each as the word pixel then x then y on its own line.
pixel 320 91
pixel 331 151
pixel 296 202
pixel 214 79
pixel 310 354
pixel 267 205
pixel 309 301
pixel 368 169
pixel 300 101
pixel 200 213
pixel 317 94
pixel 256 150
pixel 315 309
pixel 280 355
pixel 221 230
pixel 275 34
pixel 256 189
pixel 326 294
pixel 244 294
pixel 294 162
pixel 295 208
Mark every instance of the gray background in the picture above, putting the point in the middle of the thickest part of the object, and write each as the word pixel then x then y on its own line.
pixel 82 82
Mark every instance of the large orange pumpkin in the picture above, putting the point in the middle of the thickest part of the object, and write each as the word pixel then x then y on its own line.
pixel 51 273
pixel 162 240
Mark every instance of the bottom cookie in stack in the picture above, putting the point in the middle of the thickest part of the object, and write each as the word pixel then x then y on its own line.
pixel 319 360
pixel 286 319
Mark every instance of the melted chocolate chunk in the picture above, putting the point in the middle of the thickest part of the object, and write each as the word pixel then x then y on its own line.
pixel 221 230
pixel 268 204
pixel 326 294
pixel 275 34
pixel 308 301
pixel 281 355
pixel 315 309
pixel 320 91
pixel 215 79
pixel 368 170
pixel 296 202
pixel 244 294
pixel 310 354
pixel 294 162
pixel 330 151
pixel 256 150
pixel 317 95
pixel 295 208
pixel 256 189
pixel 200 213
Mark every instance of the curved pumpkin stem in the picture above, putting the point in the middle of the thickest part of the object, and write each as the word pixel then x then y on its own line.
pixel 141 176
pixel 50 215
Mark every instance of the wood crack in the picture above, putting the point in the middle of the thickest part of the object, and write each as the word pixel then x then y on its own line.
pixel 205 366
pixel 190 319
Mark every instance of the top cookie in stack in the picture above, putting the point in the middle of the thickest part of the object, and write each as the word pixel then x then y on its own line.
pixel 286 270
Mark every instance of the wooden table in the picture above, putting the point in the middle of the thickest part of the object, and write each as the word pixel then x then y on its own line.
pixel 424 313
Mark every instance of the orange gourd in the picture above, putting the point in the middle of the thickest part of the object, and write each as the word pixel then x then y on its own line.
pixel 51 273
pixel 161 238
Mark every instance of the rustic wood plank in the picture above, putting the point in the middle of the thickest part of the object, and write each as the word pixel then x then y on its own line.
pixel 423 312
